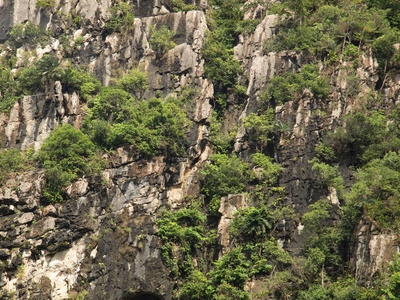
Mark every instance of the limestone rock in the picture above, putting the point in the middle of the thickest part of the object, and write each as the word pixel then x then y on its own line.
pixel 42 226
pixel 229 205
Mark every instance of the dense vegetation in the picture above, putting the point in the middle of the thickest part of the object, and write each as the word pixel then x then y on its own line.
pixel 116 116
pixel 334 35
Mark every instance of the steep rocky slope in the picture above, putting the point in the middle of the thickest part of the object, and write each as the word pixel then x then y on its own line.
pixel 103 242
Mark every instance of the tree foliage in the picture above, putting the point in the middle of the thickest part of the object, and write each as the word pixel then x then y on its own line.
pixel 290 86
pixel 224 175
pixel 121 19
pixel 161 40
pixel 66 155
pixel 153 127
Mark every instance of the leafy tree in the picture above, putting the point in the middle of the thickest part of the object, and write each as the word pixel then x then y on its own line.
pixel 260 128
pixel 376 192
pixel 114 119
pixel 252 223
pixel 232 268
pixel 290 86
pixel 8 89
pixel 76 80
pixel 41 74
pixel 111 105
pixel 45 4
pixel 220 65
pixel 391 6
pixel 222 142
pixel 180 5
pixel 160 40
pixel 134 82
pixel 121 19
pixel 321 248
pixel 224 175
pixel 329 177
pixel 11 160
pixel 183 229
pixel 393 287
pixel 267 171
pixel 383 48
pixel 66 155
pixel 197 287
pixel 27 34
pixel 364 137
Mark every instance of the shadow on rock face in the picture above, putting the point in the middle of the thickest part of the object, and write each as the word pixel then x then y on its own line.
pixel 142 296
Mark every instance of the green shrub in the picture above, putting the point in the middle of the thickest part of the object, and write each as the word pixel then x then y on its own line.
pixel 180 5
pixel 11 161
pixel 160 40
pixel 232 268
pixel 27 34
pixel 134 82
pixel 224 175
pixel 32 80
pixel 384 50
pixel 111 104
pixel 325 153
pixel 260 128
pixel 121 19
pixel 75 80
pixel 66 155
pixel 376 192
pixel 326 27
pixel 364 137
pixel 154 127
pixel 197 287
pixel 321 248
pixel 45 4
pixel 185 230
pixel 9 89
pixel 328 176
pixel 290 86
pixel 264 169
pixel 220 65
pixel 252 223
pixel 391 7
pixel 298 38
pixel 222 142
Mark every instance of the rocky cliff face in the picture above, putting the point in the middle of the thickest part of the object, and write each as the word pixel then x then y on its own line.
pixel 103 241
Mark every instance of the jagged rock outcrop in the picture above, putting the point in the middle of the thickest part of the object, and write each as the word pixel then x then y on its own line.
pixel 103 240
pixel 104 237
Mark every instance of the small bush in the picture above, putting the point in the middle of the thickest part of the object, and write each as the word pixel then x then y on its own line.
pixel 134 82
pixel 121 19
pixel 45 4
pixel 376 192
pixel 32 80
pixel 27 34
pixel 290 86
pixel 252 223
pixel 75 80
pixel 66 155
pixel 364 137
pixel 160 40
pixel 328 176
pixel 11 161
pixel 260 128
pixel 225 175
pixel 180 5
pixel 185 230
pixel 8 88
pixel 114 119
